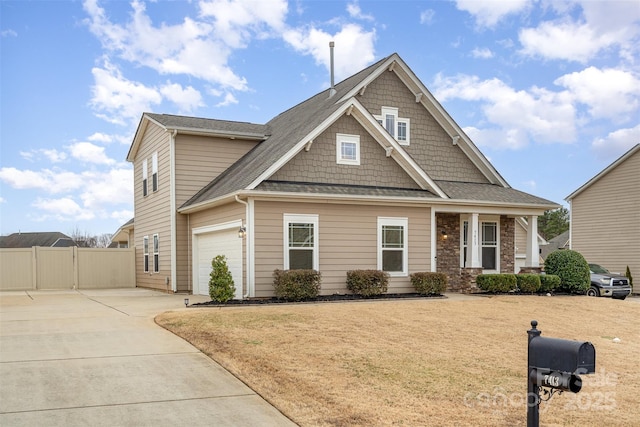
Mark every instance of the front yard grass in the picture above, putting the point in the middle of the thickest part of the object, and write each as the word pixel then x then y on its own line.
pixel 430 362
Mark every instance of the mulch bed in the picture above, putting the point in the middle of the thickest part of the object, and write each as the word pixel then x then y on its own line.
pixel 320 298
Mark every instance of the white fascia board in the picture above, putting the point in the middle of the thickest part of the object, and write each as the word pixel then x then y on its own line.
pixel 137 138
pixel 399 154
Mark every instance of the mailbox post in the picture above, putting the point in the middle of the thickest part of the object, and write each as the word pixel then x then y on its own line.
pixel 555 364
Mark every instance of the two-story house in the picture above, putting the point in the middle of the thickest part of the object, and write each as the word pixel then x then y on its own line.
pixel 369 174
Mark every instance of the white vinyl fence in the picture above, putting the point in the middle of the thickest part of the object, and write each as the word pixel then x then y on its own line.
pixel 66 268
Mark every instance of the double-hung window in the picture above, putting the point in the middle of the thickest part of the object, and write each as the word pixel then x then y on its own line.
pixel 489 245
pixel 145 177
pixel 156 254
pixel 145 251
pixel 154 171
pixel 347 149
pixel 398 127
pixel 392 245
pixel 300 242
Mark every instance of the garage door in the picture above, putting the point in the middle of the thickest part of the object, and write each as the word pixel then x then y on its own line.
pixel 209 245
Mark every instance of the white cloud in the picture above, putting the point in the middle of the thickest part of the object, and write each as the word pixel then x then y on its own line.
pixel 609 93
pixel 489 13
pixel 8 33
pixel 53 155
pixel 187 99
pixel 90 153
pixel 426 16
pixel 355 12
pixel 616 143
pixel 117 99
pixel 229 99
pixel 100 137
pixel 50 181
pixel 512 119
pixel 354 48
pixel 482 53
pixel 62 209
pixel 109 188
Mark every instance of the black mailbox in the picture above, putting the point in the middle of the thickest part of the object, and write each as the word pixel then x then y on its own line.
pixel 554 354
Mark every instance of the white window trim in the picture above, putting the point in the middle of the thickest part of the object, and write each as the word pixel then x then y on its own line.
pixel 392 111
pixel 404 222
pixel 156 254
pixel 482 219
pixel 300 218
pixel 154 172
pixel 496 221
pixel 145 254
pixel 350 139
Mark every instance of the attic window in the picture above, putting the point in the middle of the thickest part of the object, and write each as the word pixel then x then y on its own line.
pixel 347 149
pixel 398 127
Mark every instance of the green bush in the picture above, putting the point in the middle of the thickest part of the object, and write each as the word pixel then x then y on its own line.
pixel 427 283
pixel 296 285
pixel 628 274
pixel 528 282
pixel 496 283
pixel 221 286
pixel 367 282
pixel 549 282
pixel 572 269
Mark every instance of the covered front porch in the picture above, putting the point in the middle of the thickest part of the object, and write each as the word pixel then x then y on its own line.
pixel 469 244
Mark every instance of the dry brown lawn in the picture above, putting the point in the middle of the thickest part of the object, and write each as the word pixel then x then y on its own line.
pixel 435 362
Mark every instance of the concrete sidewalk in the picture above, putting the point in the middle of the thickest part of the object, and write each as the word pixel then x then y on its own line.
pixel 96 357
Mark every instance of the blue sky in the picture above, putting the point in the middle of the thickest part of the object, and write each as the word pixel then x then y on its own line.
pixel 548 90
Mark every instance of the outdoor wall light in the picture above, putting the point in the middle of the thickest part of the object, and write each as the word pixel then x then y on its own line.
pixel 444 235
pixel 242 232
pixel 186 302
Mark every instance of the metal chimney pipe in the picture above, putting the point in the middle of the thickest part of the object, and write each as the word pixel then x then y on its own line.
pixel 332 91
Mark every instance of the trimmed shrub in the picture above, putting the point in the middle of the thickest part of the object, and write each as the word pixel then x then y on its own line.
pixel 367 282
pixel 549 282
pixel 427 283
pixel 296 285
pixel 572 269
pixel 497 283
pixel 628 274
pixel 528 282
pixel 221 286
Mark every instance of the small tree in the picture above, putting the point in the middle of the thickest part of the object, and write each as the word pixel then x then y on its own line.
pixel 221 286
pixel 628 274
pixel 572 269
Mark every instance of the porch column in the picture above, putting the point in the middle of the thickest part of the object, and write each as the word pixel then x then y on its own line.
pixel 533 251
pixel 474 241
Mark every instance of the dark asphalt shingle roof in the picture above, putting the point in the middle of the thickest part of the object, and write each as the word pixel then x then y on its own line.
pixel 210 125
pixel 489 192
pixel 339 189
pixel 27 240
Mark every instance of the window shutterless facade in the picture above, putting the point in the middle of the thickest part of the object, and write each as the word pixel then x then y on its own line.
pixel 156 253
pixel 392 245
pixel 145 251
pixel 347 149
pixel 300 242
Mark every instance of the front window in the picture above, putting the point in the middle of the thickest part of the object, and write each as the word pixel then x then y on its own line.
pixel 398 127
pixel 489 245
pixel 392 245
pixel 301 243
pixel 145 250
pixel 347 149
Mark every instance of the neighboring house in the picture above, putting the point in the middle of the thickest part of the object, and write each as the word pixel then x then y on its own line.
pixel 370 174
pixel 605 216
pixel 26 240
pixel 122 238
pixel 561 241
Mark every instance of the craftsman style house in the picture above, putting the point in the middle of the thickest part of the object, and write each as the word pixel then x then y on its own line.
pixel 369 174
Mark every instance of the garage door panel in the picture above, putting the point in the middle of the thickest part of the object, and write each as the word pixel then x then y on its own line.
pixel 210 245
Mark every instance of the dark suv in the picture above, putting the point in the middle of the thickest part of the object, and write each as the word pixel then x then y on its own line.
pixel 606 284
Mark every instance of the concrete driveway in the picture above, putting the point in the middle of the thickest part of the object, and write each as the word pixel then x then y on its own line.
pixel 95 357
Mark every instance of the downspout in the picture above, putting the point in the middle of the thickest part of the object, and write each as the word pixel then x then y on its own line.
pixel 247 250
pixel 172 198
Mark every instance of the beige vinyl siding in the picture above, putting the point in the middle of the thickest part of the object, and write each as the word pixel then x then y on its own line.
pixel 605 219
pixel 319 163
pixel 347 240
pixel 218 215
pixel 430 146
pixel 153 212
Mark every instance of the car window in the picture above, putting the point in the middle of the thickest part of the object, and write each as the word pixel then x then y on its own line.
pixel 595 268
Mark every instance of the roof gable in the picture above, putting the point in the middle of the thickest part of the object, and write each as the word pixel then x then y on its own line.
pixel 633 151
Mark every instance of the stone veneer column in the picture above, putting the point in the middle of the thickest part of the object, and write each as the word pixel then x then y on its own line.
pixel 448 251
pixel 507 244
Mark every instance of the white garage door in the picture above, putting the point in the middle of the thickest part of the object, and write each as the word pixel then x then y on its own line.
pixel 209 245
